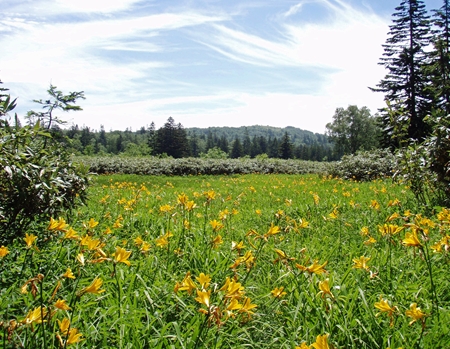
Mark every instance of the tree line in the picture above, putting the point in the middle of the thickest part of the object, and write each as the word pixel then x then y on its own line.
pixel 172 139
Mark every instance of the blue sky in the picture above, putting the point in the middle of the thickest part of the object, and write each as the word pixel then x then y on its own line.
pixel 203 62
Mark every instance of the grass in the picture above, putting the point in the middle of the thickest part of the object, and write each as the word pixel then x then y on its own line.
pixel 249 261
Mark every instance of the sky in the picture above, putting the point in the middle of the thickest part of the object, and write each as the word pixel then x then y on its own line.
pixel 202 62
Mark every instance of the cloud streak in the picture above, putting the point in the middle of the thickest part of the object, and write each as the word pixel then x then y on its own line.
pixel 206 67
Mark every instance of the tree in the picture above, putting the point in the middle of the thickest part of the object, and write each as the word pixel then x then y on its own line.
pixel 286 147
pixel 404 57
pixel 438 67
pixel 353 129
pixel 236 149
pixel 37 177
pixel 172 140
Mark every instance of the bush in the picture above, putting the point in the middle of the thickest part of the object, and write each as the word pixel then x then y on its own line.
pixel 426 166
pixel 365 165
pixel 37 177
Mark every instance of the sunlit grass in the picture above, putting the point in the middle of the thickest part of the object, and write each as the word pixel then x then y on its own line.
pixel 254 261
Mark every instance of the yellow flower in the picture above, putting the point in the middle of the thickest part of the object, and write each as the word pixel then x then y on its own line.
pixel 165 208
pixel 3 251
pixel 91 224
pixel 216 225
pixel 278 292
pixel 389 229
pixel 190 205
pixel 74 336
pixel 321 342
pixel 232 289
pixel 258 212
pixel 375 205
pixel 61 304
pixel 369 241
pixel 217 241
pixel 384 307
pixel 182 199
pixel 64 325
pixel 302 346
pixel 247 307
pixel 57 225
pixel 35 316
pixel 411 239
pixel 29 239
pixel 237 245
pixel 203 297
pixel 94 287
pixel 324 287
pixel 233 305
pixel 415 313
pixel 80 258
pixel 314 268
pixel 273 230
pixel 186 285
pixel 334 214
pixel 71 234
pixel 203 280
pixel 122 255
pixel 393 216
pixel 361 263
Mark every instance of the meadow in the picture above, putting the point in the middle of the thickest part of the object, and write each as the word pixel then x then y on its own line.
pixel 238 261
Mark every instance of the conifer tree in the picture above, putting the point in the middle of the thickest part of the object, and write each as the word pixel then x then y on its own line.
pixel 404 85
pixel 438 68
pixel 286 147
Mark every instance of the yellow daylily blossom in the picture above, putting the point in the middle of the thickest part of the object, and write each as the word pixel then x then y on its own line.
pixel 91 224
pixel 3 251
pixel 233 305
pixel 71 234
pixel 203 280
pixel 415 313
pixel 411 239
pixel 361 263
pixel 74 336
pixel 203 297
pixel 30 239
pixel 94 287
pixel 314 268
pixel 122 255
pixel 80 258
pixel 35 316
pixel 321 342
pixel 186 285
pixel 232 289
pixel 247 307
pixel 324 287
pixel 302 346
pixel 64 325
pixel 57 225
pixel 61 304
pixel 217 241
pixel 278 292
pixel 384 307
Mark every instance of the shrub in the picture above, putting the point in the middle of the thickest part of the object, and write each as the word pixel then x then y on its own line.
pixel 365 165
pixel 37 177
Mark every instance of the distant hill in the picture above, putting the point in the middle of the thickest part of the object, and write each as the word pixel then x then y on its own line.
pixel 297 135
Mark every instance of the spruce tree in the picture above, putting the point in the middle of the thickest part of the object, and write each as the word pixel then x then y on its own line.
pixel 405 83
pixel 286 147
pixel 438 68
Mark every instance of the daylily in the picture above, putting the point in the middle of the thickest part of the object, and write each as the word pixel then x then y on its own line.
pixel 122 255
pixel 314 268
pixel 361 263
pixel 415 313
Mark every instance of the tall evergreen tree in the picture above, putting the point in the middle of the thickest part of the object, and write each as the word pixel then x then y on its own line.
pixel 172 139
pixel 236 149
pixel 286 147
pixel 404 85
pixel 438 68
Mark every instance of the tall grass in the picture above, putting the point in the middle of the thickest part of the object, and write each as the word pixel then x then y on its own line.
pixel 250 261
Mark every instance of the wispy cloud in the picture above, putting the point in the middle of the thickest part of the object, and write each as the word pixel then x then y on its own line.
pixel 221 62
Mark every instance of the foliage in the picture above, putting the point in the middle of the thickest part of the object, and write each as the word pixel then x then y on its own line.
pixel 214 153
pixel 199 166
pixel 258 140
pixel 365 165
pixel 38 178
pixel 404 57
pixel 252 261
pixel 426 166
pixel 353 129
pixel 172 140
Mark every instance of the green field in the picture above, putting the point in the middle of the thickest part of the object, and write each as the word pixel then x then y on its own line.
pixel 248 261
